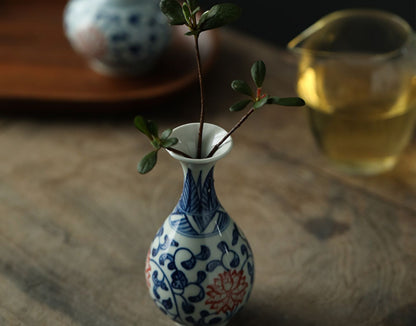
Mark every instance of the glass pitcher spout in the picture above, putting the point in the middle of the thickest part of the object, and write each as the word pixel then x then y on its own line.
pixel 355 31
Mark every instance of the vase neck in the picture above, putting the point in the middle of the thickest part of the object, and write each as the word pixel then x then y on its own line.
pixel 199 212
pixel 197 171
pixel 199 198
pixel 198 194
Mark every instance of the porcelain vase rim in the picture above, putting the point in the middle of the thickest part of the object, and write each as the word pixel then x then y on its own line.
pixel 187 135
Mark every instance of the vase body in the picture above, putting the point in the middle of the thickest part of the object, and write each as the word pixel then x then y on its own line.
pixel 117 37
pixel 200 268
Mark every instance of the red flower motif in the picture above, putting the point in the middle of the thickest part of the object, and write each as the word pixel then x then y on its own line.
pixel 148 270
pixel 227 292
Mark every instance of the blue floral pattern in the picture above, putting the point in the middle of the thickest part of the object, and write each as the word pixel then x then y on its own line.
pixel 200 267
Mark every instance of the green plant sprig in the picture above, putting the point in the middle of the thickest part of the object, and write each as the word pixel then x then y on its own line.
pixel 150 129
pixel 186 13
pixel 257 98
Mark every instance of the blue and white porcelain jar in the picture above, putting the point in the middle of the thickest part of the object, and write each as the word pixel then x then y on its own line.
pixel 117 37
pixel 200 267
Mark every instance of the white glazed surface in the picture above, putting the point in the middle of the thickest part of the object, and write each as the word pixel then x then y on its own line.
pixel 200 267
pixel 117 37
pixel 212 134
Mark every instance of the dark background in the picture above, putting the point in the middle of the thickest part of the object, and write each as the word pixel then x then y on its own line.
pixel 279 21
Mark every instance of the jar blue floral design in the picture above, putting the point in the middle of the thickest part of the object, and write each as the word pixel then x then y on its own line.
pixel 117 37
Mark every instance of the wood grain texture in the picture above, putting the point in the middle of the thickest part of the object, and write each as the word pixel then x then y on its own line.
pixel 76 219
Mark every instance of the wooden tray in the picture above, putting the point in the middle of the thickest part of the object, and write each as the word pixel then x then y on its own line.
pixel 37 62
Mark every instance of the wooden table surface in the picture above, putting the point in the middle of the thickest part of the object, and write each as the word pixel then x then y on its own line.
pixel 76 219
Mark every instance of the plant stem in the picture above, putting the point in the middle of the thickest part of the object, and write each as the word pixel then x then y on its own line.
pixel 201 88
pixel 237 125
pixel 176 151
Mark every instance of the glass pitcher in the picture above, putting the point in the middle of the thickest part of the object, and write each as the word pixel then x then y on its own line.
pixel 356 73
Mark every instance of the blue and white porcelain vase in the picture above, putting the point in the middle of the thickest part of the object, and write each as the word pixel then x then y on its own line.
pixel 199 268
pixel 117 37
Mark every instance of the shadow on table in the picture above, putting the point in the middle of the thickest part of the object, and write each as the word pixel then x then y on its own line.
pixel 255 314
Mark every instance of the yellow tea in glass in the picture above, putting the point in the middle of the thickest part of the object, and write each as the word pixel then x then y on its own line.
pixel 355 73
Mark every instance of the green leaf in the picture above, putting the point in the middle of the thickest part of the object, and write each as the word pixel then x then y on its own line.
pixel 153 129
pixel 165 134
pixel 186 13
pixel 286 101
pixel 203 18
pixel 258 104
pixel 239 106
pixel 219 15
pixel 196 10
pixel 242 87
pixel 141 124
pixel 173 11
pixel 169 142
pixel 258 72
pixel 147 163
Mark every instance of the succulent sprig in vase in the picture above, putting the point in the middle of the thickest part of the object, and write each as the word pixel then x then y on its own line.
pixel 200 266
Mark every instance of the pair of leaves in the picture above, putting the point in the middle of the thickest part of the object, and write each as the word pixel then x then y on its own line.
pixel 150 129
pixel 258 74
pixel 176 13
pixel 147 127
pixel 185 14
